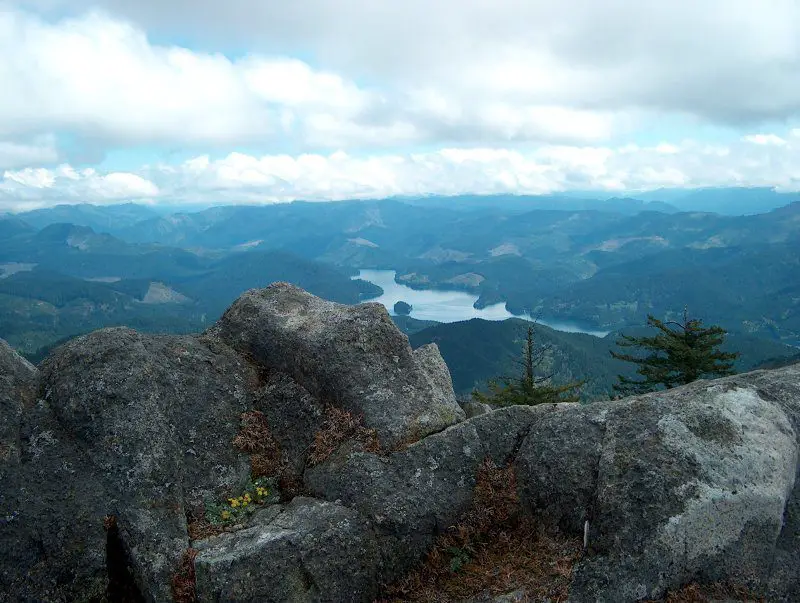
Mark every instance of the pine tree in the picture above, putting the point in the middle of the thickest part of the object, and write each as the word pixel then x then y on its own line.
pixel 528 389
pixel 679 353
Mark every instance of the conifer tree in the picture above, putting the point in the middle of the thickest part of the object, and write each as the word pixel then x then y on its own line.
pixel 528 389
pixel 679 353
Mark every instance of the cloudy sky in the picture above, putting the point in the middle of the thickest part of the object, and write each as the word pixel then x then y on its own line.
pixel 197 101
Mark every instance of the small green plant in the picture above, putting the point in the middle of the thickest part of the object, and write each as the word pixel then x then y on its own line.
pixel 257 493
pixel 458 558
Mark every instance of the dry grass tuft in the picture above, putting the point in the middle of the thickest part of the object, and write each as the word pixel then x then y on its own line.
pixel 700 593
pixel 183 581
pixel 199 527
pixel 254 438
pixel 339 427
pixel 266 458
pixel 492 551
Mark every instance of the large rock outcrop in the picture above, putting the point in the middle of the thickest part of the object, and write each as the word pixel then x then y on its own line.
pixel 694 484
pixel 128 426
pixel 354 357
pixel 119 440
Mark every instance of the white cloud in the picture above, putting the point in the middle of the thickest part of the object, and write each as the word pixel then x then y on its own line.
pixel 724 60
pixel 503 96
pixel 243 178
pixel 39 151
pixel 38 187
pixel 764 139
pixel 100 78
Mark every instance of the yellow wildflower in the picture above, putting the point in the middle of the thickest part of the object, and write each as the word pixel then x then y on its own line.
pixel 245 503
pixel 225 515
pixel 234 502
pixel 247 497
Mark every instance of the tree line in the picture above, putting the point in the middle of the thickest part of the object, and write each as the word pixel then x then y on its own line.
pixel 677 353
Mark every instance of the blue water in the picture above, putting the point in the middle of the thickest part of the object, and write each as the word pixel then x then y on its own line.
pixel 449 305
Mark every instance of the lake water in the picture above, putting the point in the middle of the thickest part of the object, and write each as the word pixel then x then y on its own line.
pixel 450 305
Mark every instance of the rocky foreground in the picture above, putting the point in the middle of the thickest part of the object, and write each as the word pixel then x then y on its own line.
pixel 118 451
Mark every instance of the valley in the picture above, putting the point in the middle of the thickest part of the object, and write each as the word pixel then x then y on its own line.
pixel 596 268
pixel 450 305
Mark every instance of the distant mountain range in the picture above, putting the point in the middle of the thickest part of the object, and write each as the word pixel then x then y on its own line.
pixel 602 263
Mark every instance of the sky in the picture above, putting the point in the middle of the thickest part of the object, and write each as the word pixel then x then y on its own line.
pixel 256 101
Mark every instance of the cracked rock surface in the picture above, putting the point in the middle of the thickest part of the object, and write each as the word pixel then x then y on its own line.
pixel 695 484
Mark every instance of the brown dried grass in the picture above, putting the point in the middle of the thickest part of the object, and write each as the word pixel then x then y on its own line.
pixel 255 438
pixel 338 427
pixel 183 581
pixel 199 527
pixel 504 552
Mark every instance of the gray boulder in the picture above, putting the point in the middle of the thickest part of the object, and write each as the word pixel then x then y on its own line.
pixel 18 383
pixel 311 551
pixel 697 483
pixel 130 426
pixel 352 356
pixel 294 417
pixel 412 496
pixel 18 386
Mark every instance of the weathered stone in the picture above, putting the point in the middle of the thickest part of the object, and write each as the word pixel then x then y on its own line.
pixel 138 427
pixel 352 356
pixel 413 495
pixel 475 409
pixel 557 465
pixel 18 383
pixel 294 417
pixel 312 551
pixel 678 486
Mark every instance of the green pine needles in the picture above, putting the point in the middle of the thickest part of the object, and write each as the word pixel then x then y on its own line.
pixel 679 353
pixel 528 389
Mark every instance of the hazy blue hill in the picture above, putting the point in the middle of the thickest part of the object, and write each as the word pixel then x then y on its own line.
pixel 732 201
pixel 40 307
pixel 79 251
pixel 739 288
pixel 595 267
pixel 735 201
pixel 526 203
pixel 100 218
pixel 57 289
pixel 478 350
pixel 77 280
pixel 12 226
pixel 174 229
pixel 76 237
pixel 409 325
pixel 600 267
pixel 228 278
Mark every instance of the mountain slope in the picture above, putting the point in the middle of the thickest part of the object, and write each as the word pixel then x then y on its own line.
pixel 478 350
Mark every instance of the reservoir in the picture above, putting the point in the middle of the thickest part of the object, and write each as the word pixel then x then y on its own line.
pixel 449 305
